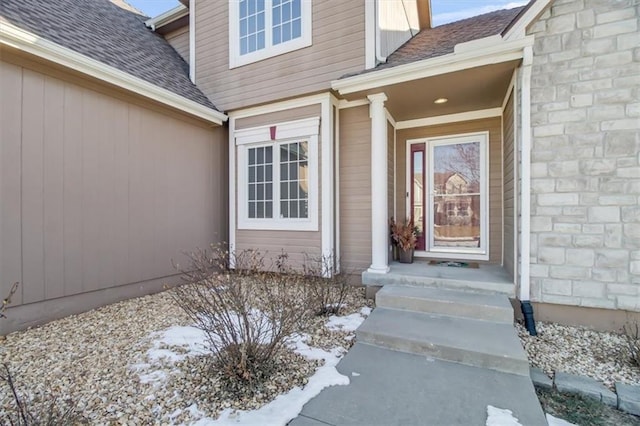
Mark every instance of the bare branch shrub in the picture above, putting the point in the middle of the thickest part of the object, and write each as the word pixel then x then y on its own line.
pixel 49 411
pixel 631 332
pixel 7 300
pixel 246 313
pixel 327 287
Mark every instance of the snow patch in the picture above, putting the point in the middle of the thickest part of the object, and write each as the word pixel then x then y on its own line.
pixel 500 417
pixel 554 421
pixel 349 322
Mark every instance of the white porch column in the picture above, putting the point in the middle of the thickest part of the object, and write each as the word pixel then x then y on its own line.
pixel 379 215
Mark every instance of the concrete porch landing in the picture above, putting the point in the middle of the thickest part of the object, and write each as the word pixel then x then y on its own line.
pixel 487 278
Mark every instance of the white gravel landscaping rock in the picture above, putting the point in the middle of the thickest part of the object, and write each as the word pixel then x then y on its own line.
pixel 579 351
pixel 110 362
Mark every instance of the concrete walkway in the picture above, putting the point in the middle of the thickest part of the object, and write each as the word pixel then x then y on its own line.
pixel 431 355
pixel 396 388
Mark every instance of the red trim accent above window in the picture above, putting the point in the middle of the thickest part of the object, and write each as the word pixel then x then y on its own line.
pixel 272 130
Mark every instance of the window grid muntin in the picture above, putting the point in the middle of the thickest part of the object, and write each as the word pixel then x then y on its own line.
pixel 294 176
pixel 286 22
pixel 252 19
pixel 260 182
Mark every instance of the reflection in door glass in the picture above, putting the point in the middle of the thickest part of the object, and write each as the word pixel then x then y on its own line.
pixel 418 194
pixel 456 195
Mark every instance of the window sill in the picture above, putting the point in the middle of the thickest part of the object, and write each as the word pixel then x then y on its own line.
pixel 236 60
pixel 278 225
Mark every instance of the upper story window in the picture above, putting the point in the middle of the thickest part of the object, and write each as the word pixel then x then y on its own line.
pixel 259 29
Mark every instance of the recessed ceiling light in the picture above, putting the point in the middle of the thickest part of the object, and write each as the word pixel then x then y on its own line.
pixel 441 101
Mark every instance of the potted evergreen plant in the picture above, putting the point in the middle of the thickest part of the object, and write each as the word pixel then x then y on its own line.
pixel 403 235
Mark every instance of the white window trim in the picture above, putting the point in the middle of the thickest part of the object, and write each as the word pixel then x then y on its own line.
pixel 481 253
pixel 293 131
pixel 237 60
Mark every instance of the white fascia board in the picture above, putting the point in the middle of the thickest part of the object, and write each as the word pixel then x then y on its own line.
pixel 286 130
pixel 500 52
pixel 167 17
pixel 279 106
pixel 25 41
pixel 519 28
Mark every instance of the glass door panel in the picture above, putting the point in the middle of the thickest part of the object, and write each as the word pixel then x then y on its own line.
pixel 457 178
pixel 417 192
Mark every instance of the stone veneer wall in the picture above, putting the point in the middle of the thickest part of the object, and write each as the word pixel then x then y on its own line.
pixel 585 214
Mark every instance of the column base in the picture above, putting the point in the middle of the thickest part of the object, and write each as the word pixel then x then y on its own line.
pixel 378 270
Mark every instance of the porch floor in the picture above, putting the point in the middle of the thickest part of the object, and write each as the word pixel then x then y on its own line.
pixel 485 278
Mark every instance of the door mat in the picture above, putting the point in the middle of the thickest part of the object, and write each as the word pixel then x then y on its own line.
pixel 454 264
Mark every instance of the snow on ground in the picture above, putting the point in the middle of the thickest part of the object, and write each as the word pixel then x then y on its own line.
pixel 177 343
pixel 500 417
pixel 349 322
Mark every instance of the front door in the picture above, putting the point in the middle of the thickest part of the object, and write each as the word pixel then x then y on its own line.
pixel 448 196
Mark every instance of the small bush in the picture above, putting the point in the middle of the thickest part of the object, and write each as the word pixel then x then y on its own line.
pixel 246 313
pixel 631 332
pixel 328 289
pixel 51 411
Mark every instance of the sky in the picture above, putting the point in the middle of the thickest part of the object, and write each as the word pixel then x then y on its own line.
pixel 443 10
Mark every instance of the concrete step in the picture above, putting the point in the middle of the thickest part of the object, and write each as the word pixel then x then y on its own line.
pixel 442 277
pixel 487 307
pixel 477 343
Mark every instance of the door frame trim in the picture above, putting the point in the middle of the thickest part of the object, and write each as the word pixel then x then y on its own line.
pixel 484 200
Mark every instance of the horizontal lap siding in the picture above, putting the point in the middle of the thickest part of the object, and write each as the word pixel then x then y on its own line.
pixel 493 126
pixel 179 40
pixel 98 192
pixel 337 49
pixel 355 189
pixel 297 244
pixel 509 188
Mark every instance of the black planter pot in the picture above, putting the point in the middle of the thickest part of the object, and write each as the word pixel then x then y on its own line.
pixel 406 256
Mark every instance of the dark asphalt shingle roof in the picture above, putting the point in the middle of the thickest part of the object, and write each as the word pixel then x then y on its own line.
pixel 113 35
pixel 441 40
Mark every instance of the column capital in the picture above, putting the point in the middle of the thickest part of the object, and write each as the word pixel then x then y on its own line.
pixel 377 97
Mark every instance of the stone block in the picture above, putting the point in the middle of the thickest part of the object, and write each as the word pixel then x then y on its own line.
pixel 628 398
pixel 585 386
pixel 606 112
pixel 592 85
pixel 628 41
pixel 560 300
pixel 634 267
pixel 538 170
pixel 592 229
pixel 567 199
pixel 567 228
pixel 564 168
pixel 544 45
pixel 540 378
pixel 600 214
pixel 541 224
pixel 598 167
pixel 568 272
pixel 623 289
pixel 604 275
pixel 580 257
pixel 614 96
pixel 590 289
pixel 554 240
pixel 615 15
pixel 613 236
pixel 629 303
pixel 615 28
pixel 621 143
pixel 614 59
pixel 557 287
pixel 588 241
pixel 582 100
pixel 548 130
pixel 611 258
pixel 622 124
pixel 628 172
pixel 561 24
pixel 568 115
pixel 617 200
pixel 585 19
pixel 631 214
pixel 551 255
pixel 543 185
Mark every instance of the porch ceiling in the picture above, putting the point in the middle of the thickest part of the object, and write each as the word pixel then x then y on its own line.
pixel 467 90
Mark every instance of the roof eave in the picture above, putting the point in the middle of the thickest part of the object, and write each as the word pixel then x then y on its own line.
pixel 517 29
pixel 461 59
pixel 25 41
pixel 167 17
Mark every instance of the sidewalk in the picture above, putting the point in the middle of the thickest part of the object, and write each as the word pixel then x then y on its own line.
pixel 396 388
